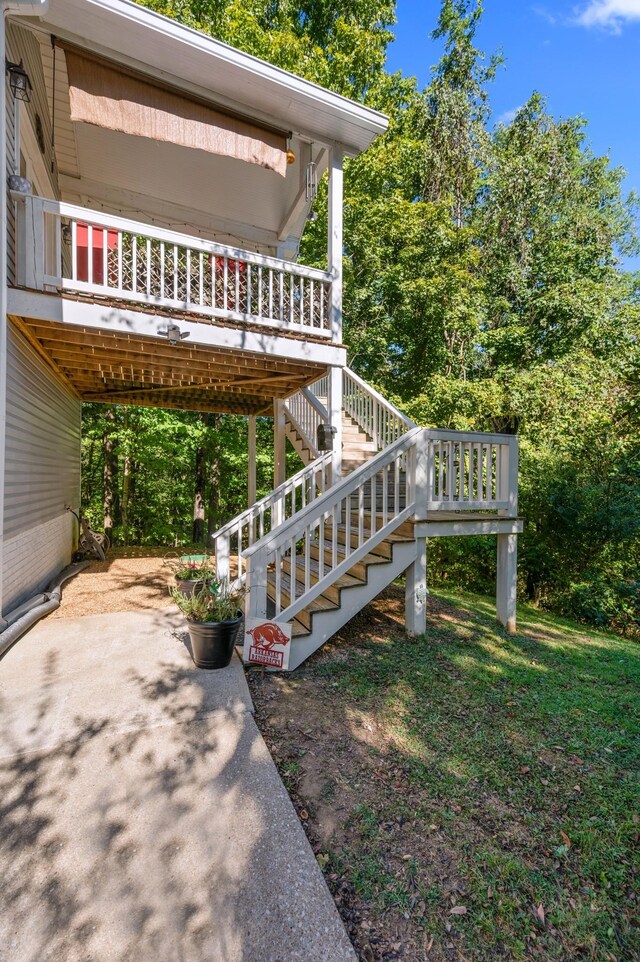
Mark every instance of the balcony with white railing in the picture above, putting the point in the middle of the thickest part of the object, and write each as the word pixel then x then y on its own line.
pixel 69 249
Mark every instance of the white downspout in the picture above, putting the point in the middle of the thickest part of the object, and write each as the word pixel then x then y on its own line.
pixel 29 9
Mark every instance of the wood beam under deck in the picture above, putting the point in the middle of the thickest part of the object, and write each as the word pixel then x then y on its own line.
pixel 66 337
pixel 123 367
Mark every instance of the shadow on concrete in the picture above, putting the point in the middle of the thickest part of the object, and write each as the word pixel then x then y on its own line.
pixel 162 836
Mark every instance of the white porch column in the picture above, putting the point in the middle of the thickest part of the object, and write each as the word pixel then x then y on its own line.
pixel 334 266
pixel 415 592
pixel 334 407
pixel 279 444
pixel 251 471
pixel 506 581
pixel 335 241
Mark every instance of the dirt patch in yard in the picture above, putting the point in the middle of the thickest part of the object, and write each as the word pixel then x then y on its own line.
pixel 131 579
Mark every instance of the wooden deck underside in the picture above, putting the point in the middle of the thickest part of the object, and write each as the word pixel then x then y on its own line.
pixel 117 368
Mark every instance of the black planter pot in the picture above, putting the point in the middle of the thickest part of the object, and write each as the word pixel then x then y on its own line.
pixel 189 586
pixel 212 641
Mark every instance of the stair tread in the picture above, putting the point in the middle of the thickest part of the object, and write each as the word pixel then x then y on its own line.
pixel 321 603
pixel 342 528
pixel 344 581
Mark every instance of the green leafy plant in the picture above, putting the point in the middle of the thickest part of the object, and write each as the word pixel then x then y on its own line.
pixel 185 569
pixel 216 601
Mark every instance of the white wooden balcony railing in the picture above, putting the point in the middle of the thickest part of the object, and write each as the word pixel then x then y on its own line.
pixel 69 248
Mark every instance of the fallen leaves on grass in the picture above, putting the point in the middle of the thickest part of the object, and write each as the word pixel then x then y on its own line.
pixel 538 911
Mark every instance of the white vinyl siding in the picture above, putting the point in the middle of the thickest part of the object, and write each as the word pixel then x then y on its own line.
pixel 42 473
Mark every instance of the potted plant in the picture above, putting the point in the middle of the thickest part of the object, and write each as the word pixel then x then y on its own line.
pixel 191 572
pixel 214 619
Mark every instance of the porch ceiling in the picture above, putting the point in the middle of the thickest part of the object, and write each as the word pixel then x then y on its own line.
pixel 118 368
pixel 177 187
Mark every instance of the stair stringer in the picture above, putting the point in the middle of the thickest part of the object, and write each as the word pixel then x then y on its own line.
pixel 325 624
pixel 298 441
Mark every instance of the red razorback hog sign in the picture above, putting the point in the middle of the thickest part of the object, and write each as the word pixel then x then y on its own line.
pixel 267 643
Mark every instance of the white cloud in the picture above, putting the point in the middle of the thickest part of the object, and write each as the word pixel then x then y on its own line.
pixel 609 14
pixel 507 117
pixel 551 18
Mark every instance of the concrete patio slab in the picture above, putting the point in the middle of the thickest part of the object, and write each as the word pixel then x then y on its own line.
pixel 143 817
pixel 122 666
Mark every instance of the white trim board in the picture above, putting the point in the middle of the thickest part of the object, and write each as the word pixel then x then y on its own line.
pixel 446 529
pixel 105 317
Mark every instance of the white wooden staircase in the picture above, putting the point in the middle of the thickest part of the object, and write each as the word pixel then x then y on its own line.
pixel 314 553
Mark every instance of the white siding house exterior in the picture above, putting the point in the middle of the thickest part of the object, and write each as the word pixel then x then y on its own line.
pixel 42 473
pixel 150 258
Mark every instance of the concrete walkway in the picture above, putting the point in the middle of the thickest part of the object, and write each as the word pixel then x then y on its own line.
pixel 141 815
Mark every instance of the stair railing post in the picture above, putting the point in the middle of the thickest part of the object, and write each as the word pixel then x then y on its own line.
pixel 419 485
pixel 222 551
pixel 279 461
pixel 256 598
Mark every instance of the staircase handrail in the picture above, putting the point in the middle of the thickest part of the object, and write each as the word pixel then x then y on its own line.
pixel 272 496
pixel 381 419
pixel 401 456
pixel 333 495
pixel 314 402
pixel 271 501
pixel 301 420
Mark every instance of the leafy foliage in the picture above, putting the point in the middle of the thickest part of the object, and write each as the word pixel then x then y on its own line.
pixel 215 602
pixel 484 289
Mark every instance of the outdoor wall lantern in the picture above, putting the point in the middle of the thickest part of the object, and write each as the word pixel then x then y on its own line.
pixel 19 81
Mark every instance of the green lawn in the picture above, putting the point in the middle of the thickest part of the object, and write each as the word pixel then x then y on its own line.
pixel 514 760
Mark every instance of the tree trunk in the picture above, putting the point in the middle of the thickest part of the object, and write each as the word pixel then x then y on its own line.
pixel 110 472
pixel 200 480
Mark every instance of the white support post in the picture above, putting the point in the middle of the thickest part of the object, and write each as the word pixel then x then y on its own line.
pixel 334 407
pixel 335 242
pixel 506 581
pixel 256 602
pixel 279 455
pixel 251 472
pixel 422 474
pixel 415 592
pixel 222 550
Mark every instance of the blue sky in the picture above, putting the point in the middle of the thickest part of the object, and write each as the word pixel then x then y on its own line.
pixel 582 55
